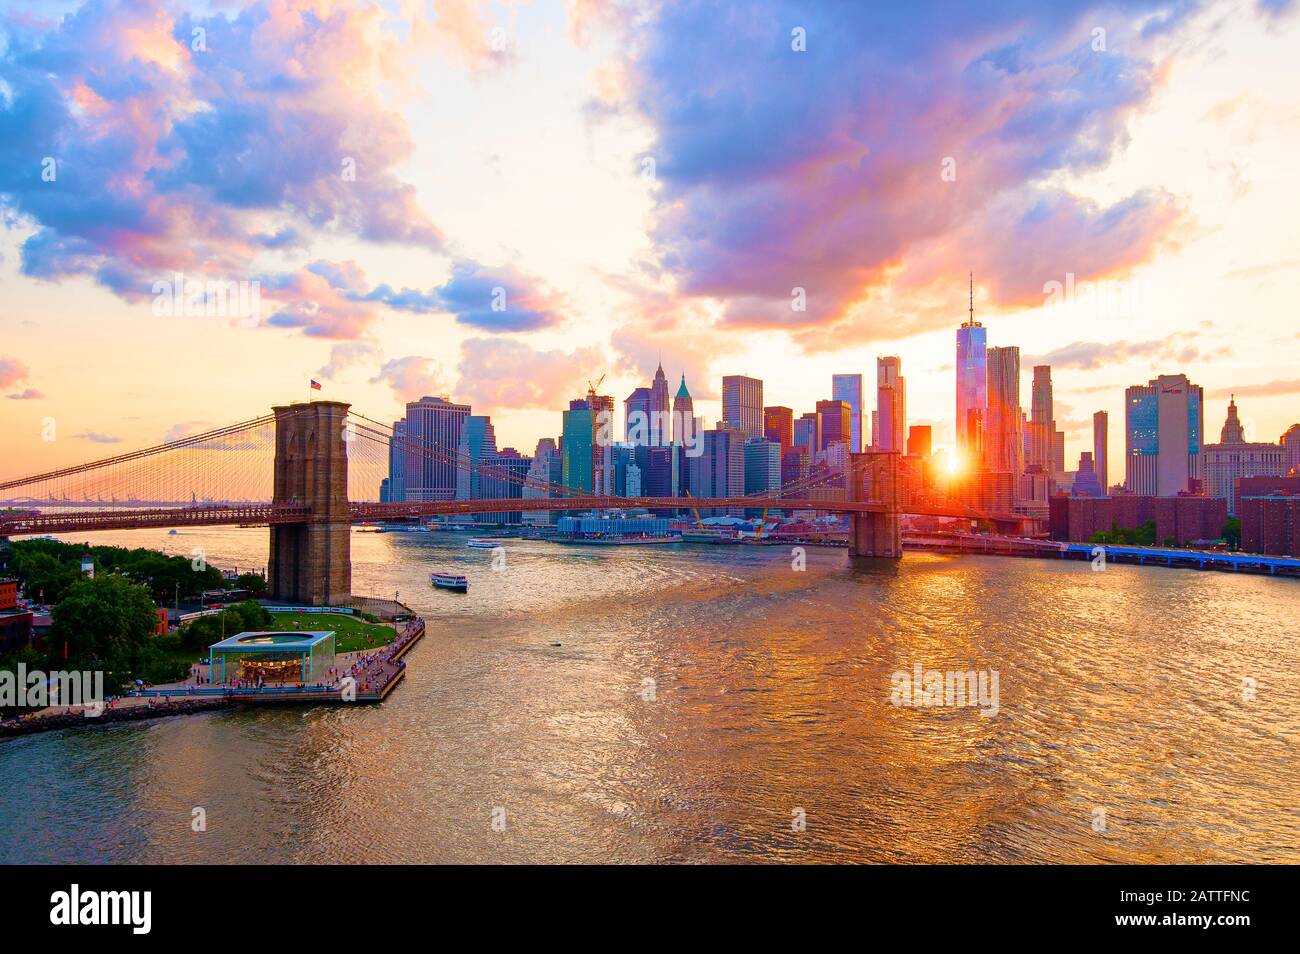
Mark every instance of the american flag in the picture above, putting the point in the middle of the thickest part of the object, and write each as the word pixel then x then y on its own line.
pixel 315 385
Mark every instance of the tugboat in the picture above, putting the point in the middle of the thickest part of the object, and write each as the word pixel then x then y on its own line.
pixel 450 581
pixel 482 543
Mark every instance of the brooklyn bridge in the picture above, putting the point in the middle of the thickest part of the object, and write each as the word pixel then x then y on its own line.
pixel 291 471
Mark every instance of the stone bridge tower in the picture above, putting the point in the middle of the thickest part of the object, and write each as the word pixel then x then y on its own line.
pixel 873 478
pixel 311 563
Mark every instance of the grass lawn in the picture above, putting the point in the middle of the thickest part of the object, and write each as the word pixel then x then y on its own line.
pixel 351 633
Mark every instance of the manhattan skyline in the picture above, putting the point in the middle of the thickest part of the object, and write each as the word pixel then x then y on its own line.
pixel 381 286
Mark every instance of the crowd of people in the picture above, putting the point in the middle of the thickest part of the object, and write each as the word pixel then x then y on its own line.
pixel 376 669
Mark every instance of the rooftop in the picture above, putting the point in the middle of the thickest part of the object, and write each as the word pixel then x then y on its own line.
pixel 273 641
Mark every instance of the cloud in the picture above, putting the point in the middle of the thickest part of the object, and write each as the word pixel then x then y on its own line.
pixel 1095 354
pixel 343 356
pixel 180 141
pixel 411 377
pixel 12 371
pixel 823 169
pixel 185 429
pixel 494 299
pixel 463 31
pixel 330 299
pixel 30 394
pixel 1271 389
pixel 97 438
pixel 504 373
pixel 690 353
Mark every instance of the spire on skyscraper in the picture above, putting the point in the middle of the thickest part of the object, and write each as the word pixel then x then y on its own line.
pixel 1232 432
pixel 681 391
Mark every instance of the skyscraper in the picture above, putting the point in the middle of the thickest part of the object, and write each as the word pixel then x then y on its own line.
pixel 1163 423
pixel 848 388
pixel 742 405
pixel 661 429
pixel 972 386
pixel 1086 483
pixel 778 426
pixel 762 466
pixel 1040 438
pixel 393 490
pixel 891 405
pixel 433 426
pixel 919 440
pixel 545 469
pixel 576 445
pixel 1233 458
pixel 808 434
pixel 1100 437
pixel 720 470
pixel 636 416
pixel 833 423
pixel 602 442
pixel 477 442
pixel 683 414
pixel 1003 442
pixel 502 480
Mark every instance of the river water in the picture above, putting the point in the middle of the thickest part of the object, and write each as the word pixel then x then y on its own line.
pixel 715 704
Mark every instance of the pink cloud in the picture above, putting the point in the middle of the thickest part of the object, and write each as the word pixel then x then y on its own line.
pixel 505 373
pixel 12 371
pixel 411 377
pixel 194 143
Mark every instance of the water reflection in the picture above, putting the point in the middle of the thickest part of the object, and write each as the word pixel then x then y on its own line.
pixel 1119 691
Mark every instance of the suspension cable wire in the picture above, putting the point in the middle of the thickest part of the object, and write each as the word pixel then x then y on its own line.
pixel 179 443
pixel 383 433
pixel 183 468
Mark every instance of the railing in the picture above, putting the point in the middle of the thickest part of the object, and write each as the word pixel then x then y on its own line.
pixel 171 517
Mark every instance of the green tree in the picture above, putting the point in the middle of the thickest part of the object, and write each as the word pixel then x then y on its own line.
pixel 239 618
pixel 106 623
pixel 44 576
pixel 253 582
pixel 1231 532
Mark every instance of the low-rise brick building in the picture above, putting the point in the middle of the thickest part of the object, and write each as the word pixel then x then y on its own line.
pixel 1184 519
pixel 1269 510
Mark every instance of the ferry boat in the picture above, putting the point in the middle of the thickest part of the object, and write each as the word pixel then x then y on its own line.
pixel 482 543
pixel 449 581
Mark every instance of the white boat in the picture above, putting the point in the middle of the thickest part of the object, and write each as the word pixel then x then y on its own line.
pixel 450 581
pixel 482 543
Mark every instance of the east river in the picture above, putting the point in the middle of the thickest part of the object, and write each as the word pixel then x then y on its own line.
pixel 696 703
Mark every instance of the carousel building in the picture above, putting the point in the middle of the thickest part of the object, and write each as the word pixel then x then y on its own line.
pixel 273 657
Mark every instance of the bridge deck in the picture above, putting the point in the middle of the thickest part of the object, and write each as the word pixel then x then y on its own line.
pixel 263 514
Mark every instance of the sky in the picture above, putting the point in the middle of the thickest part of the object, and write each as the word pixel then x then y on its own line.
pixel 501 202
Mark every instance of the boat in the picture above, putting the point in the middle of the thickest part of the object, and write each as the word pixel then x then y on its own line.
pixel 449 581
pixel 482 543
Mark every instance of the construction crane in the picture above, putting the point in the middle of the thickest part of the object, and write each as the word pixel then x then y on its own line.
pixel 694 510
pixel 591 391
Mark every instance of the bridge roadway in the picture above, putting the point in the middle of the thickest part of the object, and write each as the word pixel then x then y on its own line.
pixel 362 512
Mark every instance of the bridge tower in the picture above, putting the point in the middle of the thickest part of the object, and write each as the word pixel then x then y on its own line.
pixel 874 479
pixel 311 563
